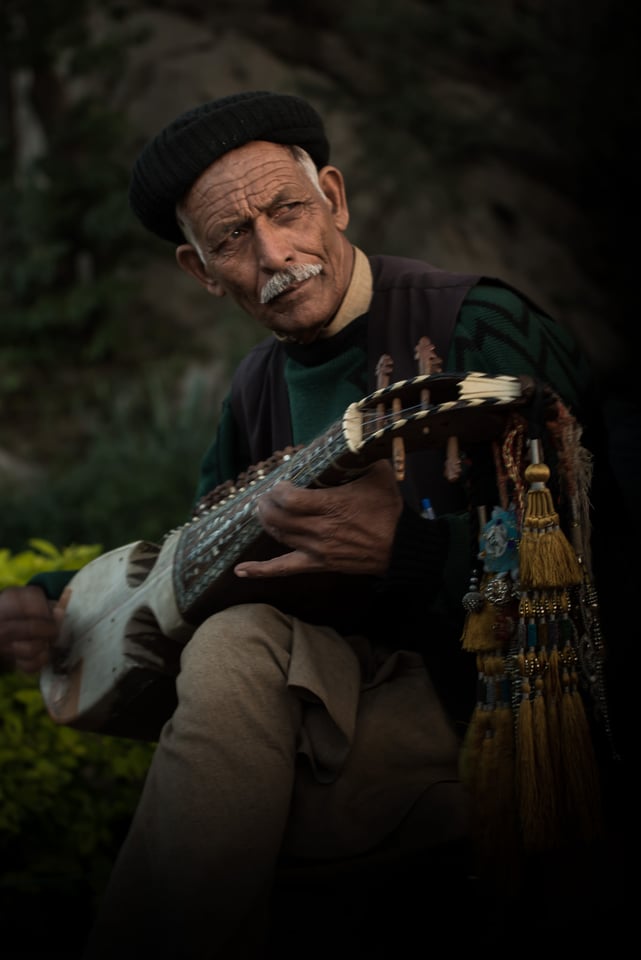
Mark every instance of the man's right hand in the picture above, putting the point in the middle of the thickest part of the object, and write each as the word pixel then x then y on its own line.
pixel 28 627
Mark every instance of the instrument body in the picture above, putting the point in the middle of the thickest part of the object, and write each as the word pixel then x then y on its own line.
pixel 130 611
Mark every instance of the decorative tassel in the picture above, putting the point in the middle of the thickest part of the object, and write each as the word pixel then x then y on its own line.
pixel 550 568
pixel 553 691
pixel 548 807
pixel 500 827
pixel 528 756
pixel 526 781
pixel 480 619
pixel 546 557
pixel 536 789
pixel 471 747
pixel 487 768
pixel 583 792
pixel 490 604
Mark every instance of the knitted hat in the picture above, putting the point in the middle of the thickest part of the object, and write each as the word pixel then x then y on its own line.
pixel 173 160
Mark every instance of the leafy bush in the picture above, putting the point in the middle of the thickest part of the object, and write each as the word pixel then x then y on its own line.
pixel 17 569
pixel 66 796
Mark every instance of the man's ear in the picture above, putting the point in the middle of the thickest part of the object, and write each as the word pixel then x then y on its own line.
pixel 189 260
pixel 333 186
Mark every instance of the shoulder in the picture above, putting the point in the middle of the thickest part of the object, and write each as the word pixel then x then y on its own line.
pixel 493 307
pixel 501 330
pixel 503 298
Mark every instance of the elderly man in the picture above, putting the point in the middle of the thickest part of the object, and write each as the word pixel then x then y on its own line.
pixel 305 736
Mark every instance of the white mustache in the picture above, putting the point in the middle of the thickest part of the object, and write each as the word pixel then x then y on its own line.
pixel 284 279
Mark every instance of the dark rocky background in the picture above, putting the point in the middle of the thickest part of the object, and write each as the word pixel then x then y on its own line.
pixel 493 137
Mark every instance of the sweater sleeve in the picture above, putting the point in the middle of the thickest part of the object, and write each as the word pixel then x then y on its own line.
pixel 52 582
pixel 226 456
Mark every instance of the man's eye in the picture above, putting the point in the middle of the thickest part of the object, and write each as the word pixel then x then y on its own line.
pixel 286 208
pixel 230 238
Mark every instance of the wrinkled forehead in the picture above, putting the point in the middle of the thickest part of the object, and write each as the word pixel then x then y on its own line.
pixel 252 161
pixel 244 181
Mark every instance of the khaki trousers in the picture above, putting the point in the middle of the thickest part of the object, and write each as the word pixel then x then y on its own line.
pixel 287 738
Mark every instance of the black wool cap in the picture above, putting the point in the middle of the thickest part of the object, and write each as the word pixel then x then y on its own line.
pixel 174 159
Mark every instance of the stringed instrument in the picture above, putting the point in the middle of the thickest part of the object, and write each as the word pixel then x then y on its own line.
pixel 130 611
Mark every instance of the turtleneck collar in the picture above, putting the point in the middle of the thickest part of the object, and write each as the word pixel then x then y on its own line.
pixel 357 298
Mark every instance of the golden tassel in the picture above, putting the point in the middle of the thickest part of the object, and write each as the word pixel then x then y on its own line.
pixel 486 774
pixel 525 759
pixel 536 785
pixel 471 746
pixel 487 765
pixel 547 784
pixel 526 780
pixel 480 618
pixel 502 831
pixel 546 557
pixel 546 730
pixel 581 618
pixel 553 690
pixel 528 756
pixel 583 790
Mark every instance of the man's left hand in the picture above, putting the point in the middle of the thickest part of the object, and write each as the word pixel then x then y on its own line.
pixel 345 529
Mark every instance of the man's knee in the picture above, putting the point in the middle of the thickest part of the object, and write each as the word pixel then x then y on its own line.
pixel 233 636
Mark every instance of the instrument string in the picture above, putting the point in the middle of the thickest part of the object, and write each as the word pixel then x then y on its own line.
pixel 307 463
pixel 227 527
pixel 234 520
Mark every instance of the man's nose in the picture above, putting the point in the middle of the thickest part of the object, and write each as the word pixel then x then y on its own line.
pixel 273 245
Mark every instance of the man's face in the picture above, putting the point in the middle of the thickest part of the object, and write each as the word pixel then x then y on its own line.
pixel 258 217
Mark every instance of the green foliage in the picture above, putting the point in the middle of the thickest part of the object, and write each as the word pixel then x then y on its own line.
pixel 66 796
pixel 68 244
pixel 17 569
pixel 66 229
